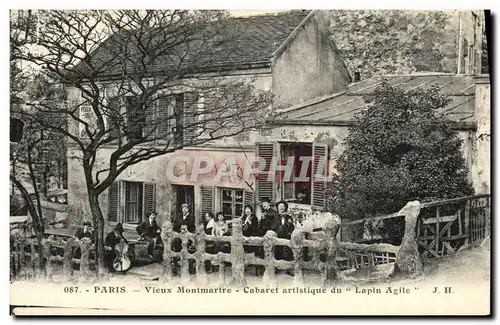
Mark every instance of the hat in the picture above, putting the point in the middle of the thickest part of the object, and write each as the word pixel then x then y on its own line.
pixel 284 203
pixel 87 223
pixel 266 200
pixel 185 205
pixel 118 227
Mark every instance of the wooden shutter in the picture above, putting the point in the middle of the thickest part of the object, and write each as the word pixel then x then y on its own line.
pixel 164 115
pixel 318 184
pixel 249 199
pixel 148 199
pixel 114 117
pixel 207 200
pixel 190 109
pixel 150 112
pixel 113 202
pixel 266 188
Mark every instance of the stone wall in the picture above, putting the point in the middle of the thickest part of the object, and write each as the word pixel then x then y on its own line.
pixel 377 42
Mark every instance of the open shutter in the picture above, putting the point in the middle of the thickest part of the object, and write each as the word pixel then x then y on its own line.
pixel 113 202
pixel 319 169
pixel 114 117
pixel 148 199
pixel 266 188
pixel 249 199
pixel 150 118
pixel 190 109
pixel 165 119
pixel 207 200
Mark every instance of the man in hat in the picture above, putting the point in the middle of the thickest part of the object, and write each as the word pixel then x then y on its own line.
pixel 149 231
pixel 268 220
pixel 112 239
pixel 86 231
pixel 185 218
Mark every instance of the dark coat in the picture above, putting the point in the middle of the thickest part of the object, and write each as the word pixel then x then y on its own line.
pixel 112 239
pixel 180 221
pixel 251 229
pixel 268 222
pixel 148 229
pixel 81 234
pixel 285 226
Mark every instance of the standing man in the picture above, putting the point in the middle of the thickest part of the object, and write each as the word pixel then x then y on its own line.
pixel 149 230
pixel 86 231
pixel 184 218
pixel 268 220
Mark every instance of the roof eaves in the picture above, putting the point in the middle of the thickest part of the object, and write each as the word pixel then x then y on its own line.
pixel 292 35
pixel 311 102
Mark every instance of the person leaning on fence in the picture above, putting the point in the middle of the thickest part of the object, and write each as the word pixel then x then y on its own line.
pixel 268 220
pixel 250 227
pixel 184 218
pixel 284 230
pixel 112 239
pixel 208 226
pixel 83 232
pixel 149 231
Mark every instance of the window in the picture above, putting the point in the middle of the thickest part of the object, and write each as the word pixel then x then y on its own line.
pixel 295 189
pixel 232 202
pixel 131 202
pixel 136 118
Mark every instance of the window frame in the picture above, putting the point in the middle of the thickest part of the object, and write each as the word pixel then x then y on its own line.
pixel 233 201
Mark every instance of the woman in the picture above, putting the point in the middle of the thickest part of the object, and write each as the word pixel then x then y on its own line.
pixel 250 222
pixel 209 223
pixel 220 227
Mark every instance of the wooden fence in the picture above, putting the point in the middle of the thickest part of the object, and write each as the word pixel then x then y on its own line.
pixel 465 221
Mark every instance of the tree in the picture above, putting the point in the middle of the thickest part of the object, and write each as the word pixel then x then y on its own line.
pixel 131 67
pixel 399 149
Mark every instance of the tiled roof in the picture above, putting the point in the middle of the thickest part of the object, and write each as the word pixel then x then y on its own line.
pixel 254 40
pixel 343 106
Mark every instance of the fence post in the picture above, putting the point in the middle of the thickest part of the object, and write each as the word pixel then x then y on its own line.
pixel 269 277
pixel 184 261
pixel 166 236
pixel 68 258
pixel 47 253
pixel 237 254
pixel 408 259
pixel 200 253
pixel 331 273
pixel 466 223
pixel 85 244
pixel 297 241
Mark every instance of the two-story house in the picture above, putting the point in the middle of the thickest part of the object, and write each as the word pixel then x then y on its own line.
pixel 290 54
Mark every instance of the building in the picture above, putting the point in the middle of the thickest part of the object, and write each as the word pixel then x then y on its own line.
pixel 288 53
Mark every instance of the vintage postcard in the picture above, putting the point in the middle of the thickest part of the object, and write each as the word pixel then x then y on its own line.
pixel 228 162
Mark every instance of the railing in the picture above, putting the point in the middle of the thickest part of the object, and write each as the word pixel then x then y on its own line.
pixel 466 222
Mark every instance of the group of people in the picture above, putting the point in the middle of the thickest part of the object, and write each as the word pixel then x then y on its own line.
pixel 278 221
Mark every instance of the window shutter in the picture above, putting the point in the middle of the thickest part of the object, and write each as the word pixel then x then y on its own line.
pixel 190 109
pixel 148 198
pixel 207 200
pixel 164 114
pixel 113 202
pixel 318 186
pixel 150 118
pixel 249 199
pixel 114 117
pixel 266 188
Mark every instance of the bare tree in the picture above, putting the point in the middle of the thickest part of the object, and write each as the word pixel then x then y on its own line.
pixel 143 87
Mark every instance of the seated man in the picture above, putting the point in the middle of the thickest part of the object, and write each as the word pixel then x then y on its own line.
pixel 112 239
pixel 149 231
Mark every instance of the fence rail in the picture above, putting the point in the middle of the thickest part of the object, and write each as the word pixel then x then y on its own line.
pixel 430 230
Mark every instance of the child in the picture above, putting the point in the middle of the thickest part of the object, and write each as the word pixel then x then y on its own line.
pixel 220 227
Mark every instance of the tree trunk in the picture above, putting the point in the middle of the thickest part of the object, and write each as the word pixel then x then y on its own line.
pixel 98 221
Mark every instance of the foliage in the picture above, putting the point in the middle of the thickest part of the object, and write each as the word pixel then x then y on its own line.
pixel 399 149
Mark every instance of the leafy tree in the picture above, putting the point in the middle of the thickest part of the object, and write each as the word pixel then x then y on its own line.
pixel 399 149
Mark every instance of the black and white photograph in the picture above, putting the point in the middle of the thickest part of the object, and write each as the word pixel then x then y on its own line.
pixel 185 162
